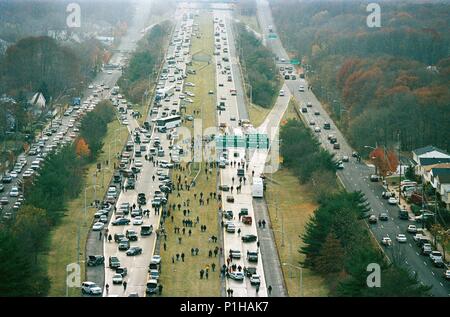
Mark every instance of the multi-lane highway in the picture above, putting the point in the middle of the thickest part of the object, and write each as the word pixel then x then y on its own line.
pixel 137 266
pixel 355 175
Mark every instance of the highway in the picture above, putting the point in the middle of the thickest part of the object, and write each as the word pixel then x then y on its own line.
pixel 127 44
pixel 355 176
pixel 137 266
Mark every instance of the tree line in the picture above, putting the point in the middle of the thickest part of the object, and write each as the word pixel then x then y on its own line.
pixel 336 241
pixel 24 238
pixel 339 247
pixel 145 62
pixel 373 80
pixel 309 162
pixel 258 66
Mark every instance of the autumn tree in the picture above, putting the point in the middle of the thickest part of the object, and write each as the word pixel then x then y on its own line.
pixel 82 148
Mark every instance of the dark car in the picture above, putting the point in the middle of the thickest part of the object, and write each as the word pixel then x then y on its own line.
pixel 114 262
pixel 249 271
pixel 230 199
pixel 383 217
pixel 243 212
pixel 249 238
pixel 224 188
pixel 94 260
pixel 120 222
pixel 134 251
pixel 118 237
pixel 6 178
pixel 122 271
pixel 132 235
pixel 228 214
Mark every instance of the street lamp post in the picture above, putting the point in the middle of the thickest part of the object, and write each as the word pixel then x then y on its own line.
pixel 301 275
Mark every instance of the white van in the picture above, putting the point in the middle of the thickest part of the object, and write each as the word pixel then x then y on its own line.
pixel 281 93
pixel 258 188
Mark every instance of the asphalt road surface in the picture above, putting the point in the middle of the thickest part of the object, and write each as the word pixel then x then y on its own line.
pixel 355 176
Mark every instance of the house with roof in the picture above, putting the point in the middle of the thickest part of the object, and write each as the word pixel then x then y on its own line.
pixel 443 181
pixel 37 103
pixel 428 151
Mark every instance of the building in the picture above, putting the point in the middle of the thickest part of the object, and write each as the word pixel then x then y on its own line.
pixel 428 151
pixel 443 181
pixel 37 103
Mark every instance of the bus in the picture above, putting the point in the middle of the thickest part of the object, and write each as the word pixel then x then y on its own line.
pixel 257 188
pixel 169 122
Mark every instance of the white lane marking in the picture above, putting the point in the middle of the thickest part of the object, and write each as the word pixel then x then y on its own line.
pixel 432 273
pixel 425 263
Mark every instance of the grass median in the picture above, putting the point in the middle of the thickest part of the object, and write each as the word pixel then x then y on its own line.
pixel 68 240
pixel 290 206
pixel 183 278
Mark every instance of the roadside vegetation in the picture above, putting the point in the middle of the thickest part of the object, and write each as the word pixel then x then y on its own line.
pixel 182 278
pixel 373 78
pixel 60 179
pixel 338 246
pixel 307 160
pixel 258 67
pixel 335 245
pixel 145 62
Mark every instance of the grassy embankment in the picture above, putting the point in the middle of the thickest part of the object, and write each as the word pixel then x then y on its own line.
pixel 182 279
pixel 291 204
pixel 63 239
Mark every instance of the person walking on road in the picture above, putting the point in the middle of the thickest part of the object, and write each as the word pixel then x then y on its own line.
pixel 239 232
pixel 109 238
pixel 124 285
pixel 182 257
pixel 263 223
pixel 269 289
pixel 107 288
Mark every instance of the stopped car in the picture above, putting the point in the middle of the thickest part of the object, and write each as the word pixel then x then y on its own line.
pixel 98 226
pixel 386 241
pixel 373 219
pixel 434 255
pixel 235 254
pixel 94 260
pixel 122 271
pixel 134 251
pixel 383 216
pixel 401 238
pixel 426 249
pixel 90 288
pixel 137 221
pixel 124 244
pixel 230 227
pixel 255 279
pixel 392 201
pixel 412 229
pixel 237 276
pixel 121 222
pixel 249 238
pixel 117 278
pixel 114 262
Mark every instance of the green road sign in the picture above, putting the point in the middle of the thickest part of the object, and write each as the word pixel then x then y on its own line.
pixel 295 61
